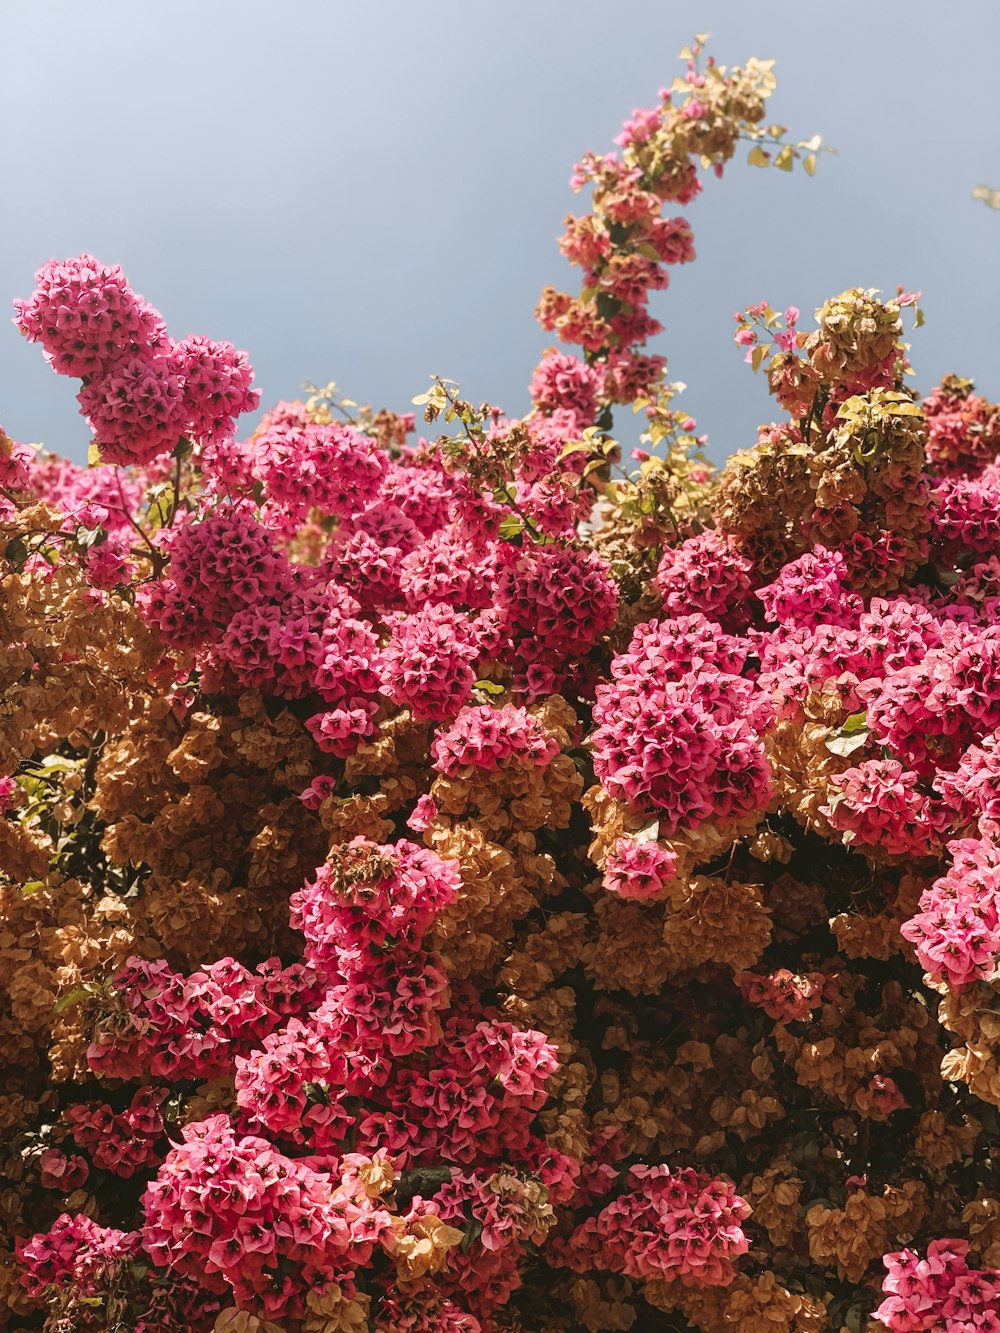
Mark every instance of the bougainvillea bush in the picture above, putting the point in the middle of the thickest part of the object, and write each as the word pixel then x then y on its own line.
pixel 483 882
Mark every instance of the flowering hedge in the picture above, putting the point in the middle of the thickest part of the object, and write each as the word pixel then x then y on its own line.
pixel 464 883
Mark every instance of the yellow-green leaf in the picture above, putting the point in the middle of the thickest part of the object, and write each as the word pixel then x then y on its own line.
pixel 785 159
pixel 757 157
pixel 574 447
pixel 809 162
pixel 162 507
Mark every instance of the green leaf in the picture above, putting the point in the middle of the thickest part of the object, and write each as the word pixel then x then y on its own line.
pixel 510 528
pixel 489 687
pixel 32 886
pixel 16 552
pixel 855 723
pixel 162 507
pixel 72 998
pixel 785 159
pixel 595 465
pixel 804 1149
pixel 757 357
pixel 758 158
pixel 90 537
pixel 472 1233
pixel 575 447
pixel 854 1320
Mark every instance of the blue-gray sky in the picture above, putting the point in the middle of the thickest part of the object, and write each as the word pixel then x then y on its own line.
pixel 371 191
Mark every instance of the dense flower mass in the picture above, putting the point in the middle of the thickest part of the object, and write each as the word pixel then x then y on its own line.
pixel 476 884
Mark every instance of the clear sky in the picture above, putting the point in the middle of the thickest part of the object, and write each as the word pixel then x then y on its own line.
pixel 371 191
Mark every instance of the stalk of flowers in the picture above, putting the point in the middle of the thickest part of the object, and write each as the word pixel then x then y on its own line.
pixel 625 247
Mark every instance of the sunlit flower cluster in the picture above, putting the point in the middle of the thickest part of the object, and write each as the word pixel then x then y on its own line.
pixel 472 884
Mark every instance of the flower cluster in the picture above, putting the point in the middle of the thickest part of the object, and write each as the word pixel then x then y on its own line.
pixel 682 1226
pixel 476 884
pixel 229 1209
pixel 122 1143
pixel 177 1026
pixel 675 734
pixel 142 392
pixel 75 1252
pixel 939 1291
pixel 485 737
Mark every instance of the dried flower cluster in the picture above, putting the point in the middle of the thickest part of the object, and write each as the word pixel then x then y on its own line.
pixel 449 888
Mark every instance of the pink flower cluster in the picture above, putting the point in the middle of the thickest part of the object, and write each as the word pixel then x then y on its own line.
pixel 142 391
pixel 939 1292
pixel 566 384
pixel 427 665
pixel 364 918
pixel 957 930
pixel 259 621
pixel 301 467
pixel 676 730
pixel 966 513
pixel 489 738
pixel 705 573
pixel 121 1143
pixel 811 591
pixel 963 430
pixel 292 1087
pixel 76 1254
pixel 783 995
pixel 505 1227
pixel 639 870
pixel 475 1103
pixel 62 1171
pixel 194 1026
pixel 16 463
pixel 555 603
pixel 878 804
pixel 680 1225
pixel 86 317
pixel 233 1212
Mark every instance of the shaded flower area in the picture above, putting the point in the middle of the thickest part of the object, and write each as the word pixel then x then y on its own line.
pixel 468 882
